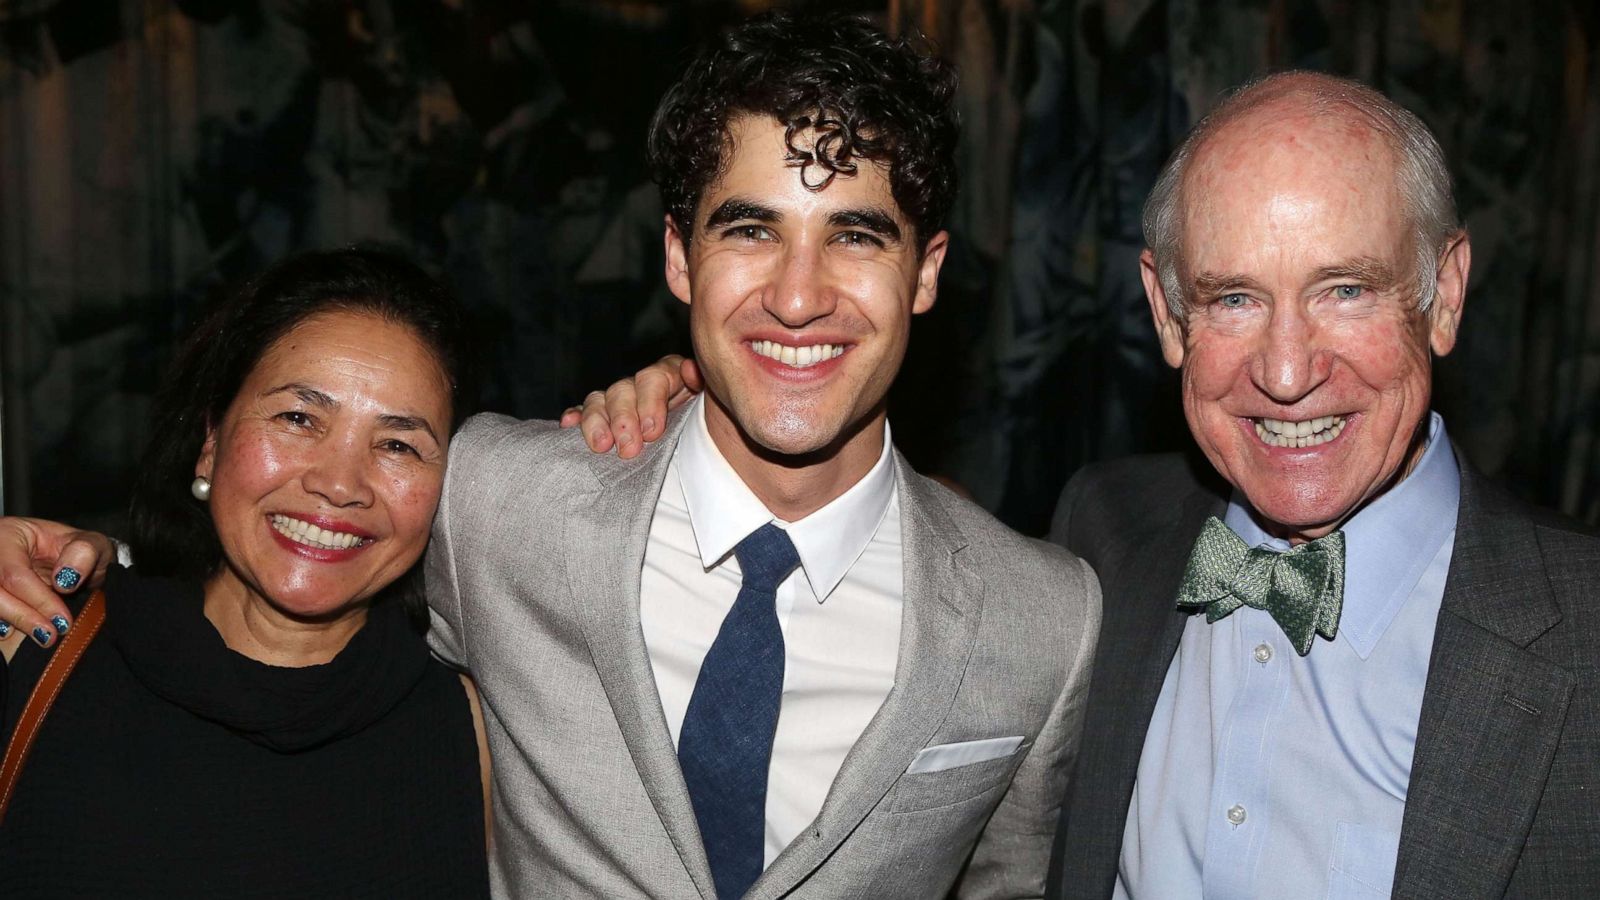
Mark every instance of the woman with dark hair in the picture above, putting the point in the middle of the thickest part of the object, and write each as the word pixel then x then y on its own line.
pixel 259 715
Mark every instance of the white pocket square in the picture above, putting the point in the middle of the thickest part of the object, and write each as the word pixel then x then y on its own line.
pixel 950 756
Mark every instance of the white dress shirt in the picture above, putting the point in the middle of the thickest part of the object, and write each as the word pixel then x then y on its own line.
pixel 839 612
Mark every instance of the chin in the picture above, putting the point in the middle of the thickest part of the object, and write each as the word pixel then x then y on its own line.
pixel 1301 513
pixel 787 442
pixel 790 434
pixel 314 606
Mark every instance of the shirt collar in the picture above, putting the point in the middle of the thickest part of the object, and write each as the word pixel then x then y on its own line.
pixel 724 511
pixel 1388 544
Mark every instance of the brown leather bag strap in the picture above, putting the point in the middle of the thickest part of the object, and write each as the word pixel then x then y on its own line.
pixel 61 664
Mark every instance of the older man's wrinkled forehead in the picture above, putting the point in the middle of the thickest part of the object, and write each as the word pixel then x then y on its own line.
pixel 1294 138
pixel 1269 159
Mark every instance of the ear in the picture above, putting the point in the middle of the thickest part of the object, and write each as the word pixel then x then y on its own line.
pixel 928 273
pixel 1450 295
pixel 1168 329
pixel 677 260
pixel 208 454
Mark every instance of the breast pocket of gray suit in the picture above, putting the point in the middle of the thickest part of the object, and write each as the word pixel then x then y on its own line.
pixel 918 791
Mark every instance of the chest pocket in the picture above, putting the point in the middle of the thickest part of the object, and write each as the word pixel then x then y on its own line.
pixel 1362 867
pixel 930 790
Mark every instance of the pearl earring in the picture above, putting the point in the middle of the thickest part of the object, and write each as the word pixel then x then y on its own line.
pixel 200 488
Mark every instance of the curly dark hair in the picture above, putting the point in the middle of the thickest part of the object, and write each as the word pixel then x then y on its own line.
pixel 868 95
pixel 172 533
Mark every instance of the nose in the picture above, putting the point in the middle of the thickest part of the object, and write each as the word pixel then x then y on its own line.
pixel 801 292
pixel 338 474
pixel 1291 362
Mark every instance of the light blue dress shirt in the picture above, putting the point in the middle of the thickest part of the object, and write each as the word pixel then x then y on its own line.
pixel 1269 775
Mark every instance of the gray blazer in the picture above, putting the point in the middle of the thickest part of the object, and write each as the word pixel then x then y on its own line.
pixel 533 575
pixel 1504 799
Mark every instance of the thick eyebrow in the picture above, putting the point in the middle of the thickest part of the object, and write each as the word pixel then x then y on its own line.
pixel 1363 269
pixel 736 209
pixel 869 218
pixel 395 421
pixel 306 393
pixel 1212 283
pixel 408 423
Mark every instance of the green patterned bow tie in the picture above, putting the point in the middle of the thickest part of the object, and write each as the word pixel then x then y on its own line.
pixel 1302 589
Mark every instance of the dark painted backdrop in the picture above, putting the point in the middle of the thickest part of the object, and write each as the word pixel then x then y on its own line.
pixel 152 152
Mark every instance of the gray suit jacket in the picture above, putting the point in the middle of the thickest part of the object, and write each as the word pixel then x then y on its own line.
pixel 1504 798
pixel 534 574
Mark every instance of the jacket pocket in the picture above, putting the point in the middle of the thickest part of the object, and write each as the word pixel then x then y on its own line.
pixel 945 787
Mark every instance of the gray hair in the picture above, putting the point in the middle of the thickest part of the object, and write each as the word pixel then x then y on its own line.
pixel 1424 179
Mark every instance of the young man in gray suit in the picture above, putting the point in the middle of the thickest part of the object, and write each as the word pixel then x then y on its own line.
pixel 1393 684
pixel 768 659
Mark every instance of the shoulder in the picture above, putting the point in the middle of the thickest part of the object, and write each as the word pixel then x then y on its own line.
pixel 491 439
pixel 1493 551
pixel 1571 551
pixel 500 455
pixel 995 549
pixel 1570 548
pixel 1148 478
pixel 1128 495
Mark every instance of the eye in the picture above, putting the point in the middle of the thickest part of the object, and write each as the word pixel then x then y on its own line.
pixel 1347 292
pixel 1232 301
pixel 395 445
pixel 749 233
pixel 295 417
pixel 858 239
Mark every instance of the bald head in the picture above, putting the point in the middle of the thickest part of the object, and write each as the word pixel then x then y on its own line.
pixel 1271 116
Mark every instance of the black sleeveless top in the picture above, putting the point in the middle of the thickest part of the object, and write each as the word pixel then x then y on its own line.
pixel 171 766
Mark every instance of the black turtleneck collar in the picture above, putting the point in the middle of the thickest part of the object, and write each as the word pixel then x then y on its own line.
pixel 160 628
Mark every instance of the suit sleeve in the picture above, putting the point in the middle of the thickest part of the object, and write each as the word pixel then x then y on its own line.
pixel 446 631
pixel 1013 853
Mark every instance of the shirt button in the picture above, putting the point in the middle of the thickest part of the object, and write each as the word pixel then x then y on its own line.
pixel 1236 814
pixel 1263 653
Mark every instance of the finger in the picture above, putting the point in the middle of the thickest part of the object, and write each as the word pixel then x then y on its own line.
pixel 622 409
pixel 28 602
pixel 595 426
pixel 693 379
pixel 571 416
pixel 82 563
pixel 654 387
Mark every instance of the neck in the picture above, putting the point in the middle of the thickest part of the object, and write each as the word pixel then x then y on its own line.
pixel 253 627
pixel 793 486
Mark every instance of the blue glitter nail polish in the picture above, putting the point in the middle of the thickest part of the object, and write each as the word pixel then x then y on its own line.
pixel 61 624
pixel 5 628
pixel 41 636
pixel 68 578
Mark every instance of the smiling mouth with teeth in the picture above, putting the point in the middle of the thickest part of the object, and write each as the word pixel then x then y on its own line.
pixel 1307 433
pixel 797 357
pixel 310 535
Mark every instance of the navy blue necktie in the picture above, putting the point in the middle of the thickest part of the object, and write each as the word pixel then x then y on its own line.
pixel 725 745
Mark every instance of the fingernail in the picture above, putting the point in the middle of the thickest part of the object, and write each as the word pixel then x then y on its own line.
pixel 61 624
pixel 68 578
pixel 41 636
pixel 5 628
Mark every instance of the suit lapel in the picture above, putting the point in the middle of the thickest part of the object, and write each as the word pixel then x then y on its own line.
pixel 1491 712
pixel 938 626
pixel 1138 638
pixel 608 529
